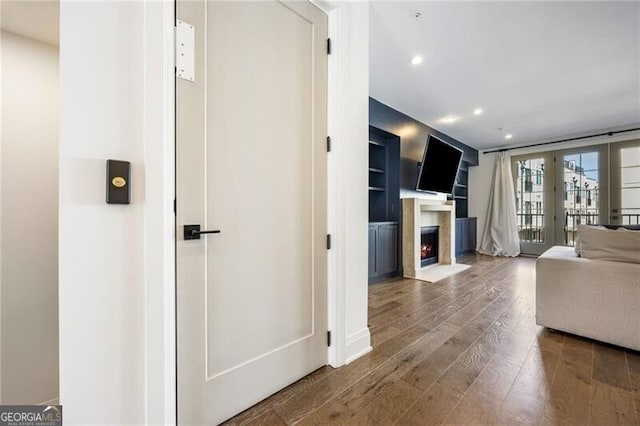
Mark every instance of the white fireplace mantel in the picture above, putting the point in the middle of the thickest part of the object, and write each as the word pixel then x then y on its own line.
pixel 418 212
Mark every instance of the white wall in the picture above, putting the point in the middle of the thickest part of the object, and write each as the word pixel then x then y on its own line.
pixel 29 221
pixel 102 251
pixel 348 188
pixel 117 363
pixel 480 177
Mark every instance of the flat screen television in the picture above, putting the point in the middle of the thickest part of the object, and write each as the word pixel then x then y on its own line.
pixel 440 162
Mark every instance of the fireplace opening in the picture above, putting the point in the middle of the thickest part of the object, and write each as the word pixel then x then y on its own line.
pixel 428 245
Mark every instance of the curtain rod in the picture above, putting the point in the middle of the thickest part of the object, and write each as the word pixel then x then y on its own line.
pixel 563 140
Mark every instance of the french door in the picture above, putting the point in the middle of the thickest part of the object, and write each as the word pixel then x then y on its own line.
pixel 557 191
pixel 582 190
pixel 533 183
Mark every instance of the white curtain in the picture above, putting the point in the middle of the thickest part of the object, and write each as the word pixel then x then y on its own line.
pixel 500 235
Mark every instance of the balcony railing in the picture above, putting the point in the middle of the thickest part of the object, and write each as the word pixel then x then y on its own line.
pixel 630 218
pixel 571 222
pixel 531 225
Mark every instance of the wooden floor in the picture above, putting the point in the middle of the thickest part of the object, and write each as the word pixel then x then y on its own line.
pixel 465 350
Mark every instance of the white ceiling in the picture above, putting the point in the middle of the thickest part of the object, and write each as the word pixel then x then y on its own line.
pixel 38 20
pixel 539 70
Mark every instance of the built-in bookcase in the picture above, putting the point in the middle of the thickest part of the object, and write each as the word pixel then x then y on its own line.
pixel 461 191
pixel 384 176
pixel 384 204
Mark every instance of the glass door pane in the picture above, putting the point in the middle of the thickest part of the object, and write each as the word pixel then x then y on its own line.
pixel 581 193
pixel 530 200
pixel 533 186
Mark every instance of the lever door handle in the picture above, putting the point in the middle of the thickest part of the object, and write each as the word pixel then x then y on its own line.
pixel 193 232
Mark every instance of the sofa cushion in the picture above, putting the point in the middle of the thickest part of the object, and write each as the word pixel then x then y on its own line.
pixel 597 242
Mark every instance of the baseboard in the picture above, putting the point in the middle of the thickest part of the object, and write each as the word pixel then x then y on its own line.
pixel 52 401
pixel 379 278
pixel 358 344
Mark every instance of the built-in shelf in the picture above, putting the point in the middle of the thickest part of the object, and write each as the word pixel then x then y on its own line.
pixel 461 190
pixel 384 201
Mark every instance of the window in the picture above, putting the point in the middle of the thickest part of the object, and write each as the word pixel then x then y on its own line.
pixel 528 185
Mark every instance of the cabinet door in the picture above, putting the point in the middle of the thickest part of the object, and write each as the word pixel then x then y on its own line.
pixel 473 233
pixel 387 249
pixel 459 237
pixel 373 236
pixel 465 236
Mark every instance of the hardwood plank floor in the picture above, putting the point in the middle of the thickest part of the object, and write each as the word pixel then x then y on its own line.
pixel 465 350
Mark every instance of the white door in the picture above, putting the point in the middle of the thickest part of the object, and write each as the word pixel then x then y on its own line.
pixel 251 162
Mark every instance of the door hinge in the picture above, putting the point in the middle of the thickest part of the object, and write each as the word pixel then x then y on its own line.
pixel 328 143
pixel 175 43
pixel 554 218
pixel 328 338
pixel 328 241
pixel 184 51
pixel 328 46
pixel 175 207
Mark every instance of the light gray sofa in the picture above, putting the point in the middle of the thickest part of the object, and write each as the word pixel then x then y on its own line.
pixel 594 298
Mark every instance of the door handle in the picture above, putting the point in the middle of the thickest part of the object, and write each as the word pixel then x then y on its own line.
pixel 193 232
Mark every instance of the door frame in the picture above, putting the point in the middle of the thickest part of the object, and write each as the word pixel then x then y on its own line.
pixel 160 399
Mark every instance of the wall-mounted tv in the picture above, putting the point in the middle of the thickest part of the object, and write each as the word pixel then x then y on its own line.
pixel 439 168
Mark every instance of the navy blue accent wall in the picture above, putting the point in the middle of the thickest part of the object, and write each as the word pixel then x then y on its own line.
pixel 413 137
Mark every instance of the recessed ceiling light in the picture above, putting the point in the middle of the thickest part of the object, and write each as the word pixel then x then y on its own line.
pixel 449 119
pixel 509 136
pixel 416 60
pixel 477 111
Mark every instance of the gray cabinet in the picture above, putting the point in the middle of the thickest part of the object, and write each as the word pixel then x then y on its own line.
pixel 373 233
pixel 383 250
pixel 466 235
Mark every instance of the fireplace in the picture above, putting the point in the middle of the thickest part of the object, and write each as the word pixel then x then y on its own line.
pixel 428 245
